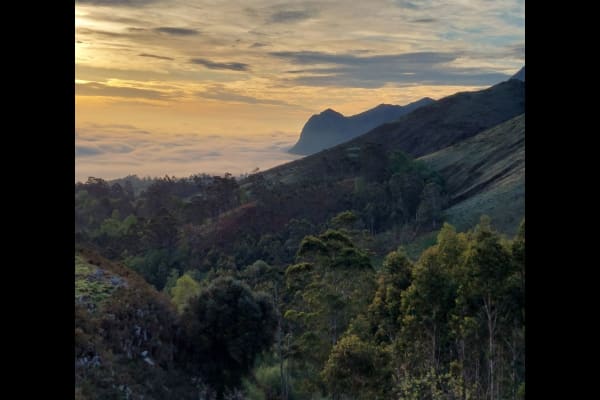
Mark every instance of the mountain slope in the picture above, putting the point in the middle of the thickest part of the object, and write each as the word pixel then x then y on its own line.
pixel 520 75
pixel 125 335
pixel 330 128
pixel 423 131
pixel 485 175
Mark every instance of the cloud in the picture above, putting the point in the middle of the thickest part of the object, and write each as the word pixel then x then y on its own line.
pixel 413 5
pixel 257 44
pixel 517 51
pixel 176 31
pixel 378 78
pixel 118 3
pixel 98 32
pixel 219 92
pixel 155 56
pixel 288 16
pixel 424 20
pixel 375 71
pixel 112 151
pixel 100 89
pixel 116 148
pixel 315 57
pixel 83 151
pixel 232 66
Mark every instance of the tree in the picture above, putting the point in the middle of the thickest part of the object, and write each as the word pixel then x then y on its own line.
pixel 270 279
pixel 426 305
pixel 488 266
pixel 346 220
pixel 518 252
pixel 184 290
pixel 385 311
pixel 355 370
pixel 430 207
pixel 331 283
pixel 227 326
pixel 161 231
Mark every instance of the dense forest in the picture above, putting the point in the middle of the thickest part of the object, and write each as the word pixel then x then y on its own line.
pixel 293 311
pixel 205 223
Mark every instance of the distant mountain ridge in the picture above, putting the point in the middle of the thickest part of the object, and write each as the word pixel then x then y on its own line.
pixel 428 129
pixel 330 128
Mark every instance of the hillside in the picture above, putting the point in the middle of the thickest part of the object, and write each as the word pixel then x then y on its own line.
pixel 223 221
pixel 485 175
pixel 423 131
pixel 330 128
pixel 125 341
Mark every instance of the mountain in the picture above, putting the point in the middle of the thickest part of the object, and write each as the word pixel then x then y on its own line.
pixel 520 75
pixel 330 127
pixel 425 130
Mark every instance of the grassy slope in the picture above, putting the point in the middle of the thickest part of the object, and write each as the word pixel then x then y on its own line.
pixel 486 175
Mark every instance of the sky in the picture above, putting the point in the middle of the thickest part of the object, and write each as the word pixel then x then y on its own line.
pixel 171 87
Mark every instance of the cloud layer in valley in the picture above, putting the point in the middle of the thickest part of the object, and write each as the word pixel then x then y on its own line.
pixel 121 150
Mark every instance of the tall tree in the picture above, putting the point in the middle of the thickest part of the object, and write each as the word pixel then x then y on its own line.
pixel 385 311
pixel 488 266
pixel 227 326
pixel 331 283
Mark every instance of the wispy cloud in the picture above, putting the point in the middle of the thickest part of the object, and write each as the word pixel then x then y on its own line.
pixel 219 92
pixel 155 56
pixel 83 151
pixel 101 89
pixel 169 30
pixel 118 3
pixel 98 32
pixel 375 71
pixel 314 57
pixel 412 5
pixel 289 16
pixel 232 66
pixel 425 20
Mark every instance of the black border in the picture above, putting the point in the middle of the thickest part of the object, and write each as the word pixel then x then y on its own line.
pixel 40 127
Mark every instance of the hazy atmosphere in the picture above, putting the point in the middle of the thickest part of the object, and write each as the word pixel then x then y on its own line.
pixel 178 88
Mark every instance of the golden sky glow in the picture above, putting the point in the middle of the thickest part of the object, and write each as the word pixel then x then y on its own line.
pixel 182 87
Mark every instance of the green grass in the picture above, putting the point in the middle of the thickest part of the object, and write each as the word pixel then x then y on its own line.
pixel 91 282
pixel 504 204
pixel 489 170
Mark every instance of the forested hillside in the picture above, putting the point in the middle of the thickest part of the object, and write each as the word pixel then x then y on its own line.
pixel 448 326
